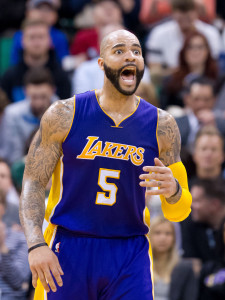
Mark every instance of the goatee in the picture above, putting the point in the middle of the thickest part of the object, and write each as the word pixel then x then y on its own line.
pixel 114 75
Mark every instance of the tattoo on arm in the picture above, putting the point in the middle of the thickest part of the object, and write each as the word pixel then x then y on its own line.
pixel 169 139
pixel 169 144
pixel 44 153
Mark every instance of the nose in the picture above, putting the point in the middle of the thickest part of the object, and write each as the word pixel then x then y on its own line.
pixel 130 57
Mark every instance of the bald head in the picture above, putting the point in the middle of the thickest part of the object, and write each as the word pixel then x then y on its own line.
pixel 118 36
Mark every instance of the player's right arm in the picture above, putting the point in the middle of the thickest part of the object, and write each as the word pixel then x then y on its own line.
pixel 44 153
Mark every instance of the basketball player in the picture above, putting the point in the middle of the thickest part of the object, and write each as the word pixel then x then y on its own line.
pixel 104 148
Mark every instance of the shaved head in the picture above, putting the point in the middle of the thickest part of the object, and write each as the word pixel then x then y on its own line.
pixel 113 37
pixel 122 61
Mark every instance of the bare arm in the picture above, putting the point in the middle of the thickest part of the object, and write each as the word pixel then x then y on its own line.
pixel 44 153
pixel 169 146
pixel 168 139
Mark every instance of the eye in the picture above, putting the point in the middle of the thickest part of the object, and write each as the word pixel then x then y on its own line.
pixel 137 52
pixel 118 51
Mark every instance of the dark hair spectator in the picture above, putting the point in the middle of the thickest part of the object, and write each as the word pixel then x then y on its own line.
pixel 166 40
pixel 200 230
pixel 195 60
pixel 38 76
pixel 23 117
pixel 212 279
pixel 184 5
pixel 37 52
pixel 42 10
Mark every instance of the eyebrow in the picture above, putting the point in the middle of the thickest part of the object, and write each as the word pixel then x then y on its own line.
pixel 123 45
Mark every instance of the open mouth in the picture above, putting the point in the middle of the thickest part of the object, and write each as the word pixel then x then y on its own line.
pixel 128 74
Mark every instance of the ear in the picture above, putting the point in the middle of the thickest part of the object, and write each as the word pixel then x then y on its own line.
pixel 101 63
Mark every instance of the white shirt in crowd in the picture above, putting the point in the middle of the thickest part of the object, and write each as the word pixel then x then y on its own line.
pixel 166 40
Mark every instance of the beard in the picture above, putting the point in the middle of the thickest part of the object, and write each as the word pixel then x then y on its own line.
pixel 114 75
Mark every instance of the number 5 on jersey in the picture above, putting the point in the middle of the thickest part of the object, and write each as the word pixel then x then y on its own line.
pixel 111 188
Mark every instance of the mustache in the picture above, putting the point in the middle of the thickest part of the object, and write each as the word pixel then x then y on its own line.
pixel 127 65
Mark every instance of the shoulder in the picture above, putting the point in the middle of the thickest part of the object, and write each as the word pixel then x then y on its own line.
pixel 165 120
pixel 58 118
pixel 56 33
pixel 16 109
pixel 164 28
pixel 206 28
pixel 89 66
pixel 167 125
pixel 12 71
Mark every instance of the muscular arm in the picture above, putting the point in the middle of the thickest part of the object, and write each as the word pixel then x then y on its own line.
pixel 45 151
pixel 169 144
pixel 174 193
pixel 168 139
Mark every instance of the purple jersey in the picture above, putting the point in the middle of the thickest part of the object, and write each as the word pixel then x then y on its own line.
pixel 95 189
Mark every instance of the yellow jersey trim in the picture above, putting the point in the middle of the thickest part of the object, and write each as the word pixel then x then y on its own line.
pixel 72 119
pixel 56 191
pixel 151 265
pixel 157 138
pixel 117 125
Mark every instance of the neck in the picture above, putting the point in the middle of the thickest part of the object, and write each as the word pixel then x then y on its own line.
pixel 32 61
pixel 160 261
pixel 199 69
pixel 117 105
pixel 208 173
pixel 161 258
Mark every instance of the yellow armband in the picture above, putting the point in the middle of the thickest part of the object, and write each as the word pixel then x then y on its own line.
pixel 180 210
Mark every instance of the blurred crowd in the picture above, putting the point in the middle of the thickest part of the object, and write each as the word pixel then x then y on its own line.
pixel 49 51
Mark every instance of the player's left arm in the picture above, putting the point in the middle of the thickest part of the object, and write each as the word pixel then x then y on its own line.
pixel 168 174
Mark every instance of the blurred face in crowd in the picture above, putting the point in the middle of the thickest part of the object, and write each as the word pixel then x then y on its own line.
pixel 202 207
pixel 197 52
pixel 40 96
pixel 5 177
pixel 122 61
pixel 36 40
pixel 48 13
pixel 208 153
pixel 162 238
pixel 185 20
pixel 107 12
pixel 201 97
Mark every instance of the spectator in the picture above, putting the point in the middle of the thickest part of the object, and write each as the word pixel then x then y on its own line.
pixel 156 10
pixel 36 43
pixel 208 154
pixel 9 212
pixel 201 228
pixel 194 60
pixel 6 184
pixel 130 10
pixel 86 42
pixel 42 10
pixel 14 268
pixel 212 279
pixel 3 103
pixel 200 104
pixel 22 118
pixel 173 278
pixel 165 41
